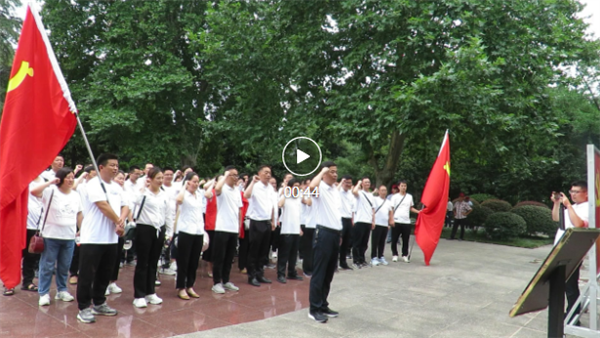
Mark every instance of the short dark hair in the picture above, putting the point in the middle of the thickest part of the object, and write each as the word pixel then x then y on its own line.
pixel 401 181
pixel 185 167
pixel 328 164
pixel 242 175
pixel 262 166
pixel 230 167
pixel 288 174
pixel 59 155
pixel 189 176
pixel 133 168
pixel 62 173
pixel 104 158
pixel 365 177
pixel 152 172
pixel 89 169
pixel 168 168
pixel 581 184
pixel 292 181
pixel 347 177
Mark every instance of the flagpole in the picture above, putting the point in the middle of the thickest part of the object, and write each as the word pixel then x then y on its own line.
pixel 87 145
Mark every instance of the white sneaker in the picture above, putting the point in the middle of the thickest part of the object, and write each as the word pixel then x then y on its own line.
pixel 167 272
pixel 395 259
pixel 44 300
pixel 107 292
pixel 114 288
pixel 274 254
pixel 374 262
pixel 173 266
pixel 140 302
pixel 65 296
pixel 218 288
pixel 230 286
pixel 405 259
pixel 154 299
pixel 382 261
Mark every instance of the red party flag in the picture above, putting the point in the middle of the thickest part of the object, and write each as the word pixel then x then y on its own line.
pixel 37 121
pixel 430 220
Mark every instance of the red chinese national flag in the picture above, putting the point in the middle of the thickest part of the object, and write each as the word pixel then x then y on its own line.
pixel 435 199
pixel 37 122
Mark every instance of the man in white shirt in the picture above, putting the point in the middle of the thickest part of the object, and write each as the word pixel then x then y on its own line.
pixel 134 174
pixel 576 215
pixel 449 213
pixel 101 227
pixel 326 241
pixel 262 201
pixel 347 212
pixel 461 210
pixel 402 204
pixel 227 227
pixel 307 225
pixel 290 203
pixel 59 162
pixel 364 220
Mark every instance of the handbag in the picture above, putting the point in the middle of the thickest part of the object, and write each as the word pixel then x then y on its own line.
pixel 36 243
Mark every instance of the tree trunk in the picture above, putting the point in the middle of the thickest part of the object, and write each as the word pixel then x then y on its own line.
pixel 385 175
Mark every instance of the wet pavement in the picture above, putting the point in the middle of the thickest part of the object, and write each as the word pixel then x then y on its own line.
pixel 20 315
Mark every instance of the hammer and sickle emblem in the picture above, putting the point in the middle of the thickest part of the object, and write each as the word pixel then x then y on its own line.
pixel 20 76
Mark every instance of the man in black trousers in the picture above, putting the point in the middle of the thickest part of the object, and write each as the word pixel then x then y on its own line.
pixel 326 241
pixel 347 213
pixel 262 201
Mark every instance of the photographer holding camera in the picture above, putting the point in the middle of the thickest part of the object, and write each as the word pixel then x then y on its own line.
pixel 575 216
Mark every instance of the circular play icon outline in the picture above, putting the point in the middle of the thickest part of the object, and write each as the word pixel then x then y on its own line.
pixel 301 155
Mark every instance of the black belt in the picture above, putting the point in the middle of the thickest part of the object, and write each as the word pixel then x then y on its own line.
pixel 324 228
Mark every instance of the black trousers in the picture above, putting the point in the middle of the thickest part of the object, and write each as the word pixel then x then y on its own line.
pixel 275 238
pixel 189 250
pixel 449 216
pixel 572 291
pixel 74 269
pixel 149 247
pixel 96 262
pixel 207 255
pixel 326 247
pixel 361 232
pixel 30 261
pixel 462 222
pixel 222 255
pixel 258 252
pixel 306 246
pixel 115 272
pixel 288 255
pixel 400 229
pixel 346 245
pixel 243 250
pixel 378 241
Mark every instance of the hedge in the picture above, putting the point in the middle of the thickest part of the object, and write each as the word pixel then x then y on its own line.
pixel 538 219
pixel 535 203
pixel 479 215
pixel 483 197
pixel 505 225
pixel 497 205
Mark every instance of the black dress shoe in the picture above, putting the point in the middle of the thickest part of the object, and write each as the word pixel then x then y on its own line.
pixel 346 267
pixel 295 278
pixel 317 317
pixel 253 281
pixel 281 280
pixel 263 280
pixel 330 313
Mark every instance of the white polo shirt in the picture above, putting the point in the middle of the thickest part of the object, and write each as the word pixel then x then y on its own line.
pixel 402 213
pixel 97 228
pixel 48 175
pixel 327 206
pixel 311 216
pixel 190 216
pixel 383 207
pixel 156 211
pixel 262 202
pixel 34 208
pixel 348 203
pixel 582 210
pixel 291 216
pixel 228 210
pixel 365 203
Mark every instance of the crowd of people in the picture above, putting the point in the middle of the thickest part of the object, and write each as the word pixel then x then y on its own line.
pixel 94 222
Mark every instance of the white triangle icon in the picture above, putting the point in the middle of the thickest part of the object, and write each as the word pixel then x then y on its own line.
pixel 301 156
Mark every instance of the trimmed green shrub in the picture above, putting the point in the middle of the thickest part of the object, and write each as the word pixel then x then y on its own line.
pixel 483 197
pixel 497 205
pixel 479 215
pixel 538 219
pixel 536 203
pixel 504 225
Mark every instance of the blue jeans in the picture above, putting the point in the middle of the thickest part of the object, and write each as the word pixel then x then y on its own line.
pixel 57 252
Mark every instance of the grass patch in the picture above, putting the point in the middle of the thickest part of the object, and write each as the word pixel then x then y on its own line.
pixel 479 236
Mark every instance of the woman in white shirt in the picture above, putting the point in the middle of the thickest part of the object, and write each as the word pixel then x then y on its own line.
pixel 63 218
pixel 190 228
pixel 152 215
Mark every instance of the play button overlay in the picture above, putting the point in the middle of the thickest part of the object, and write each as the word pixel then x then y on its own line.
pixel 301 156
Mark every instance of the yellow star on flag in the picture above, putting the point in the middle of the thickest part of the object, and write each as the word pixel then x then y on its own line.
pixel 447 168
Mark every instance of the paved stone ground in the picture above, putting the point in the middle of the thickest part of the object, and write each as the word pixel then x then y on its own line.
pixel 467 291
